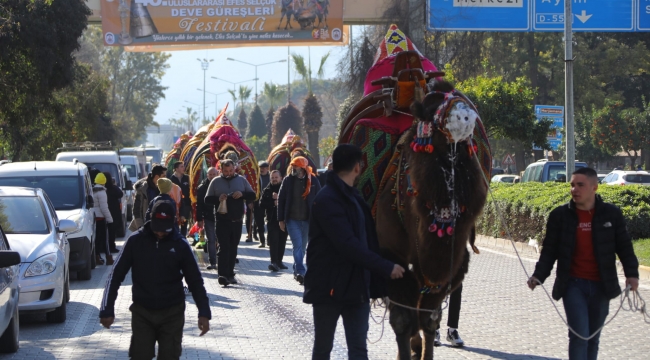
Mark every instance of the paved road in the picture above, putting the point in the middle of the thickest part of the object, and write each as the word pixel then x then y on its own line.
pixel 264 318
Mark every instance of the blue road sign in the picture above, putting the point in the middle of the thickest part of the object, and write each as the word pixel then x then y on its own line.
pixel 555 144
pixel 549 110
pixel 479 15
pixel 588 15
pixel 643 15
pixel 556 115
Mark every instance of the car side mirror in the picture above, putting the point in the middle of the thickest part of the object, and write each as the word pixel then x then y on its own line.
pixel 90 202
pixel 66 226
pixel 9 258
pixel 128 185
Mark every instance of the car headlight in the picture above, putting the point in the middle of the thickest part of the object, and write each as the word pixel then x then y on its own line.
pixel 79 221
pixel 42 266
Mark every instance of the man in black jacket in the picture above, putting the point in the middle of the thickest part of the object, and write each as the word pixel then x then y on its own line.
pixel 344 269
pixel 584 237
pixel 277 237
pixel 258 212
pixel 159 258
pixel 205 217
pixel 183 181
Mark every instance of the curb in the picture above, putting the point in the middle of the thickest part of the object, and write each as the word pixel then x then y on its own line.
pixel 527 250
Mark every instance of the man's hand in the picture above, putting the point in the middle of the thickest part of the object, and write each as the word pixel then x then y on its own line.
pixel 275 196
pixel 200 223
pixel 223 197
pixel 107 322
pixel 633 282
pixel 533 282
pixel 183 219
pixel 237 195
pixel 282 226
pixel 397 273
pixel 251 206
pixel 204 325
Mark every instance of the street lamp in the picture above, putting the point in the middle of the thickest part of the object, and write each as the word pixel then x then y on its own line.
pixel 256 65
pixel 204 65
pixel 233 84
pixel 216 100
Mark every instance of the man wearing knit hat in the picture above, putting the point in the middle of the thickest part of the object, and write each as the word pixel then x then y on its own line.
pixel 103 219
pixel 295 199
pixel 169 192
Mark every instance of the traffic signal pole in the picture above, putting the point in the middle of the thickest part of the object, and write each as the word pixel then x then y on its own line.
pixel 568 90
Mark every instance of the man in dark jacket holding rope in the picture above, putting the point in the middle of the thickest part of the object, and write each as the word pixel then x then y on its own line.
pixel 344 268
pixel 584 236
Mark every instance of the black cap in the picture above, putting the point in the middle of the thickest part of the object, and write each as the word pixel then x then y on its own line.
pixel 263 164
pixel 163 214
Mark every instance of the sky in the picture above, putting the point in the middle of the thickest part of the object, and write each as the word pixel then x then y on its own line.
pixel 184 77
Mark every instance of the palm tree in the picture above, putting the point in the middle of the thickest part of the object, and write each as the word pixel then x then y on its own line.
pixel 244 95
pixel 233 94
pixel 312 113
pixel 273 94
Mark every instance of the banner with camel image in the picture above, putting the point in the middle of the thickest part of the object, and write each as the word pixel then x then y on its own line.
pixel 160 22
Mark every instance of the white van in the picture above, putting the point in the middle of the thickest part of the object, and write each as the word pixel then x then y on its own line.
pixel 69 188
pixel 104 161
pixel 133 172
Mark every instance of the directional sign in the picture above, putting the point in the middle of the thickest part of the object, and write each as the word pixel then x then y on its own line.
pixel 556 115
pixel 643 15
pixel 479 15
pixel 588 15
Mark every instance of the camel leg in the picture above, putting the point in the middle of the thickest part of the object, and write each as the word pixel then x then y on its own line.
pixel 404 321
pixel 416 346
pixel 280 24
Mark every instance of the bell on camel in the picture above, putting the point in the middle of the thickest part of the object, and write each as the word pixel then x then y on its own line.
pixel 141 23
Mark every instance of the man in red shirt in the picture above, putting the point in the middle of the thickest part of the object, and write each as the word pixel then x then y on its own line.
pixel 584 236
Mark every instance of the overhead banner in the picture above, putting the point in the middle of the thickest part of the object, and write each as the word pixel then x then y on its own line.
pixel 165 22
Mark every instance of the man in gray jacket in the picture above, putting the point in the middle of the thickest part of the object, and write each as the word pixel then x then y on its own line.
pixel 237 193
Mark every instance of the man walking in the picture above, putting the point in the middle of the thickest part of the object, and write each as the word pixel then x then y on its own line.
pixel 344 269
pixel 584 237
pixel 183 181
pixel 258 212
pixel 236 193
pixel 295 199
pixel 277 238
pixel 205 217
pixel 159 258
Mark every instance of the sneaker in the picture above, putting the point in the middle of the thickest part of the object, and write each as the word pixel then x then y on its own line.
pixel 282 266
pixel 454 338
pixel 262 245
pixel 248 239
pixel 186 290
pixel 232 280
pixel 212 267
pixel 223 281
pixel 300 279
pixel 274 267
pixel 436 339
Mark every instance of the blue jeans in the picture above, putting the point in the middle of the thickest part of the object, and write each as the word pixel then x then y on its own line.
pixel 586 307
pixel 355 322
pixel 299 232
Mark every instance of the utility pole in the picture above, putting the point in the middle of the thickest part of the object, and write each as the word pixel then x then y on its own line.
pixel 205 63
pixel 288 74
pixel 568 90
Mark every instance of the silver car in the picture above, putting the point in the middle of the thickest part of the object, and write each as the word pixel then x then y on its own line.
pixel 34 231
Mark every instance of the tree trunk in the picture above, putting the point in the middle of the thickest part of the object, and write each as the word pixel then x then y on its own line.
pixel 313 147
pixel 520 158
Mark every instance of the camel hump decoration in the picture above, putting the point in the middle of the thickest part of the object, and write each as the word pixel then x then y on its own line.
pixel 291 146
pixel 426 158
pixel 222 139
pixel 175 154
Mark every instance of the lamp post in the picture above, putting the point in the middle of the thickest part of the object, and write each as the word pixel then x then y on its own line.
pixel 216 100
pixel 233 85
pixel 204 65
pixel 256 65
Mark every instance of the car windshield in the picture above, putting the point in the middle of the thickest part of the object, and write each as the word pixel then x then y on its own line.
pixel 156 154
pixel 107 167
pixel 508 179
pixel 131 170
pixel 637 178
pixel 22 215
pixel 65 192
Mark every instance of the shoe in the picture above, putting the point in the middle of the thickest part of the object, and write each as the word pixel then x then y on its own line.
pixel 281 266
pixel 249 239
pixel 454 338
pixel 109 260
pixel 255 237
pixel 212 267
pixel 300 279
pixel 99 260
pixel 115 250
pixel 223 281
pixel 274 268
pixel 236 261
pixel 262 246
pixel 232 280
pixel 436 339
pixel 186 290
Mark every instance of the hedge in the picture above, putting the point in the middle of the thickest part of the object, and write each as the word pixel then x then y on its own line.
pixel 525 208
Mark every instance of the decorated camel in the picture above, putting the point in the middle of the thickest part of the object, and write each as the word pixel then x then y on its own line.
pixel 291 146
pixel 174 155
pixel 426 159
pixel 305 15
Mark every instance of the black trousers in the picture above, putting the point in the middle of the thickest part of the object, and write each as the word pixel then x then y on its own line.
pixel 111 236
pixel 277 241
pixel 164 326
pixel 249 223
pixel 355 322
pixel 101 237
pixel 228 236
pixel 258 215
pixel 454 308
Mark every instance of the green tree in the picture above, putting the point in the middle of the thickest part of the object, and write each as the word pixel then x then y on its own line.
pixel 259 146
pixel 274 94
pixel 287 117
pixel 268 122
pixel 256 123
pixel 244 94
pixel 344 109
pixel 327 146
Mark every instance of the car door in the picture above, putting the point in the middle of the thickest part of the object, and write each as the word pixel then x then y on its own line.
pixel 8 287
pixel 61 237
pixel 89 214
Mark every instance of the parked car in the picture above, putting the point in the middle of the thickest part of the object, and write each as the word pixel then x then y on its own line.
pixel 544 170
pixel 622 177
pixel 69 188
pixel 510 179
pixel 36 233
pixel 133 172
pixel 497 171
pixel 98 156
pixel 9 296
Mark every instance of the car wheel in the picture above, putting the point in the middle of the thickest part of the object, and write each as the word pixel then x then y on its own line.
pixel 9 340
pixel 86 273
pixel 58 315
pixel 93 260
pixel 66 289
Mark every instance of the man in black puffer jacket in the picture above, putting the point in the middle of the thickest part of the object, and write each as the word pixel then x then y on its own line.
pixel 584 237
pixel 205 216
pixel 159 258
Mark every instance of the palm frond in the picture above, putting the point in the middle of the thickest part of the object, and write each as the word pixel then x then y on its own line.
pixel 234 96
pixel 321 67
pixel 300 65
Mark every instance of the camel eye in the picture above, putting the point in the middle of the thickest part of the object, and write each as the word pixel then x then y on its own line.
pixel 466 118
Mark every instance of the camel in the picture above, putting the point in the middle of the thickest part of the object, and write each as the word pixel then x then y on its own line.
pixel 289 8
